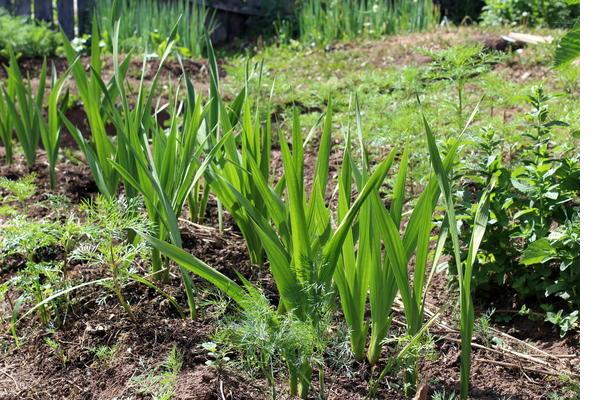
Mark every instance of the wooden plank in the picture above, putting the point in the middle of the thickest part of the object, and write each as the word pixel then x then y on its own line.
pixel 84 18
pixel 43 10
pixel 66 17
pixel 23 7
pixel 530 39
pixel 250 7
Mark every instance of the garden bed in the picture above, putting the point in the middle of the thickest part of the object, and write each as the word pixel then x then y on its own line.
pixel 98 352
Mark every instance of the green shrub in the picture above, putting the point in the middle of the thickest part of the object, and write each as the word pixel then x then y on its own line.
pixel 27 38
pixel 532 242
pixel 539 13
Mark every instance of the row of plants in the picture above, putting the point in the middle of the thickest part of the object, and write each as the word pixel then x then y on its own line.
pixel 146 26
pixel 323 22
pixel 148 23
pixel 321 247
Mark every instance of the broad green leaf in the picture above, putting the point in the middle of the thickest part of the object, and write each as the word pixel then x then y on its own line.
pixel 568 47
pixel 538 252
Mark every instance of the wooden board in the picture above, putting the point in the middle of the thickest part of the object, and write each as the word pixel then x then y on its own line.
pixel 43 10
pixel 23 7
pixel 84 15
pixel 66 17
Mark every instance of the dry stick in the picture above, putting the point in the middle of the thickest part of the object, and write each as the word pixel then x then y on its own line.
pixel 517 366
pixel 506 335
pixel 221 389
pixel 195 225
pixel 11 377
pixel 206 228
pixel 502 351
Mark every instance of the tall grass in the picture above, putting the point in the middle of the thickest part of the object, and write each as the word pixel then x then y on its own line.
pixel 294 226
pixel 254 141
pixel 24 106
pixel 149 22
pixel 99 148
pixel 6 130
pixel 464 267
pixel 326 21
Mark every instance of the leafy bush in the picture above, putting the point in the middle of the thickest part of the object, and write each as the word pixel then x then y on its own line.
pixel 31 39
pixel 532 241
pixel 540 13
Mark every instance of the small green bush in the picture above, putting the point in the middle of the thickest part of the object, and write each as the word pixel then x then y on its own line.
pixel 27 38
pixel 531 246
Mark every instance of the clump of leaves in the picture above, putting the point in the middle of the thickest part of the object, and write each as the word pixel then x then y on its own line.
pixel 218 358
pixel 532 240
pixel 57 349
pixel 39 250
pixel 443 395
pixel 482 328
pixel 28 38
pixel 19 190
pixel 38 281
pixel 104 353
pixel 554 14
pixel 43 240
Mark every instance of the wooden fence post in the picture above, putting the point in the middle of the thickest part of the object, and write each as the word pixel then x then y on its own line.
pixel 43 10
pixel 6 4
pixel 84 16
pixel 23 7
pixel 66 17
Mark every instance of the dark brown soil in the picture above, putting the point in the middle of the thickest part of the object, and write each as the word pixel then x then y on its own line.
pixel 74 179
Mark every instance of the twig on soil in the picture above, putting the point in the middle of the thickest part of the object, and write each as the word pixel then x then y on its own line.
pixel 205 228
pixel 502 351
pixel 221 389
pixel 507 336
pixel 550 368
pixel 521 367
pixel 11 378
pixel 532 347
